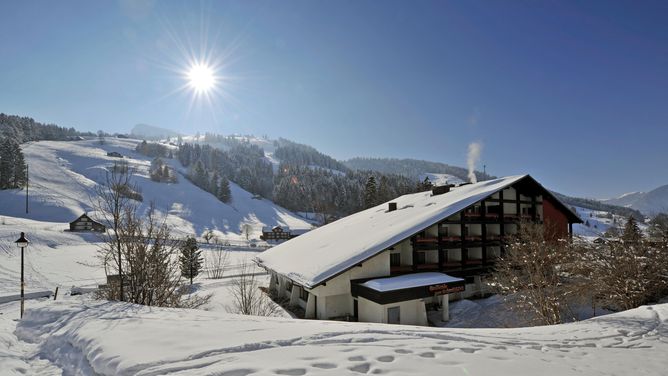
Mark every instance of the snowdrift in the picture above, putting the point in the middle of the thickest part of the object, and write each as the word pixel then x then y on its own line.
pixel 93 337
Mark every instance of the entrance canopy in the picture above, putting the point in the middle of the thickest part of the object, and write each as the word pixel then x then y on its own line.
pixel 406 287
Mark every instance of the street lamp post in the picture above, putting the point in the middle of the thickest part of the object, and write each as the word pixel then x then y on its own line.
pixel 22 242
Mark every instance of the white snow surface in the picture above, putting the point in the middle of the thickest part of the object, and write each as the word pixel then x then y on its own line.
pixel 342 244
pixel 441 179
pixel 408 281
pixel 83 337
pixel 63 176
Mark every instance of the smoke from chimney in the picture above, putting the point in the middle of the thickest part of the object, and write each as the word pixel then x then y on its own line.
pixel 472 158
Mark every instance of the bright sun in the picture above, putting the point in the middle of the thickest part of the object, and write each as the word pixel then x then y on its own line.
pixel 201 78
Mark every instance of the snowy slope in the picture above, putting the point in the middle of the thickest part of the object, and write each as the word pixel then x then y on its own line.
pixel 441 179
pixel 63 176
pixel 597 222
pixel 88 337
pixel 649 203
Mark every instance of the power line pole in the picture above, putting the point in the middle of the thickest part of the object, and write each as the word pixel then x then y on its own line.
pixel 27 184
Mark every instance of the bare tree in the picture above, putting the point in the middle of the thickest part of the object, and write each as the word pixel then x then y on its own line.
pixel 215 262
pixel 247 297
pixel 139 251
pixel 208 235
pixel 247 230
pixel 626 274
pixel 112 204
pixel 534 272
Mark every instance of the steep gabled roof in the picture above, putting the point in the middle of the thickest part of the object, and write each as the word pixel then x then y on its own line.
pixel 325 252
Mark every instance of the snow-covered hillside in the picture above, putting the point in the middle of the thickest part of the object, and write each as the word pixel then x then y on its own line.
pixel 649 203
pixel 63 176
pixel 597 222
pixel 83 337
pixel 441 179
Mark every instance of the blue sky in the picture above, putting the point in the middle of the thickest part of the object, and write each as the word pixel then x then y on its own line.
pixel 574 93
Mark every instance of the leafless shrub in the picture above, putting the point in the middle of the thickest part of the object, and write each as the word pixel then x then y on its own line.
pixel 534 271
pixel 247 297
pixel 215 262
pixel 626 274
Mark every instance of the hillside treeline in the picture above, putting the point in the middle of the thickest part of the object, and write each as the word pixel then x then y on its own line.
pixel 411 168
pixel 15 130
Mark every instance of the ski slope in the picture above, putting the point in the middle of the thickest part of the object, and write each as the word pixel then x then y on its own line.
pixel 63 176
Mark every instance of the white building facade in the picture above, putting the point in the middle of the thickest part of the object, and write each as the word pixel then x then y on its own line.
pixel 396 261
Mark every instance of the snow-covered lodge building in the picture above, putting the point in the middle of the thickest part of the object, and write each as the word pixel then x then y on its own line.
pixel 392 262
pixel 281 233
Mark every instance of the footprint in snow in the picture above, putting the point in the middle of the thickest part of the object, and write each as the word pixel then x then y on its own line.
pixel 291 371
pixel 361 368
pixel 385 358
pixel 324 365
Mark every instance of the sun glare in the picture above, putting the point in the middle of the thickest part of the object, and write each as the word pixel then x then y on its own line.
pixel 201 78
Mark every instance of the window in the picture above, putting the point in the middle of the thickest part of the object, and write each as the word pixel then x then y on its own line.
pixel 393 315
pixel 303 294
pixel 444 230
pixel 288 286
pixel 395 259
pixel 421 258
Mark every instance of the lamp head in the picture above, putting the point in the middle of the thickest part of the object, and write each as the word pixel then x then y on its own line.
pixel 22 241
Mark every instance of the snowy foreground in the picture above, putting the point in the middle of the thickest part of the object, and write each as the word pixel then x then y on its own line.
pixel 85 337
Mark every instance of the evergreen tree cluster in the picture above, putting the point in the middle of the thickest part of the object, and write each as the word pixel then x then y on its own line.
pixel 411 168
pixel 23 129
pixel 303 155
pixel 160 172
pixel 303 188
pixel 154 149
pixel 12 165
pixel 210 169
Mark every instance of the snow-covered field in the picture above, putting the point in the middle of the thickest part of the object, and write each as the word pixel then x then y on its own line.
pixel 83 337
pixel 63 176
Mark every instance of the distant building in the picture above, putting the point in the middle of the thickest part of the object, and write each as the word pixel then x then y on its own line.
pixel 85 223
pixel 395 261
pixel 279 233
pixel 114 154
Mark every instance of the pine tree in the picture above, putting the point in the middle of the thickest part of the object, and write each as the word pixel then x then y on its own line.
pixel 632 233
pixel 426 185
pixel 6 170
pixel 190 259
pixel 19 168
pixel 12 165
pixel 370 192
pixel 224 193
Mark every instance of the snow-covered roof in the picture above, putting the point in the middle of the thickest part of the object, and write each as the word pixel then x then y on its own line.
pixel 408 281
pixel 320 254
pixel 299 231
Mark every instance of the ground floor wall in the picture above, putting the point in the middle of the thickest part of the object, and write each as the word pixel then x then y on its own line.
pixel 410 312
pixel 334 301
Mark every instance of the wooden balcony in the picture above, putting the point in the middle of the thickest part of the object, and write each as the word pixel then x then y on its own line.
pixel 427 266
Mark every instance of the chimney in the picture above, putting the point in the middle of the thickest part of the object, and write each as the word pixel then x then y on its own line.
pixel 439 190
pixel 391 206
